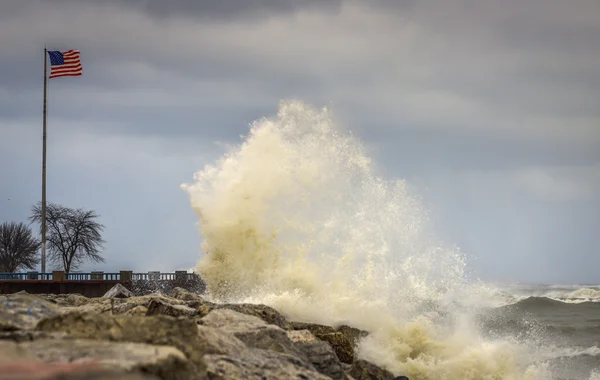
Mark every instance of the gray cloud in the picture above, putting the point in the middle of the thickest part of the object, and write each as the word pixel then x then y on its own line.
pixel 216 10
pixel 491 108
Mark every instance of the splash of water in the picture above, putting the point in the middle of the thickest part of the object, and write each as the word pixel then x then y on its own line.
pixel 295 218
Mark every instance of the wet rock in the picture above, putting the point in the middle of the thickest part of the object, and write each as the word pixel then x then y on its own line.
pixel 319 353
pixel 260 365
pixel 11 352
pixel 118 291
pixel 353 334
pixel 103 375
pixel 96 305
pixel 20 360
pixel 72 299
pixel 251 330
pixel 157 330
pixel 23 311
pixel 255 333
pixel 315 328
pixel 365 370
pixel 301 336
pixel 185 295
pixel 145 300
pixel 266 313
pixel 128 306
pixel 154 333
pixel 321 356
pixel 162 361
pixel 341 345
pixel 160 307
pixel 129 309
pixel 29 335
pixel 220 342
pixel 208 348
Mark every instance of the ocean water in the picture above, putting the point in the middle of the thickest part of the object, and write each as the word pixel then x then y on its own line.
pixel 563 319
pixel 296 217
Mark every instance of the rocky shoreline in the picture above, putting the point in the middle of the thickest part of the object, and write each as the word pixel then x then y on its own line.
pixel 174 336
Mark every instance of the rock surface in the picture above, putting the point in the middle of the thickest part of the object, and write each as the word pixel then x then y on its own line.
pixel 364 370
pixel 21 311
pixel 118 291
pixel 341 344
pixel 180 336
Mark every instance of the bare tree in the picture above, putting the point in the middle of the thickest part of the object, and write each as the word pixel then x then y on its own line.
pixel 18 247
pixel 73 235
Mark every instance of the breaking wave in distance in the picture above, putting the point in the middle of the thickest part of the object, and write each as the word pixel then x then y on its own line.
pixel 566 294
pixel 295 218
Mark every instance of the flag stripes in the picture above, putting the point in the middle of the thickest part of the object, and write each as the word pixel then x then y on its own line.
pixel 63 64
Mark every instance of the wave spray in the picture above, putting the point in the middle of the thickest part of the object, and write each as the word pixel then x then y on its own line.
pixel 295 218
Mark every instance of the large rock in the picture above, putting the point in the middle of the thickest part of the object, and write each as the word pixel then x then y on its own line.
pixel 266 313
pixel 128 306
pixel 29 335
pixel 72 299
pixel 94 374
pixel 353 334
pixel 179 336
pixel 157 330
pixel 321 356
pixel 260 365
pixel 253 331
pixel 229 358
pixel 162 361
pixel 319 353
pixel 23 311
pixel 301 336
pixel 365 370
pixel 185 295
pixel 19 361
pixel 341 345
pixel 11 352
pixel 221 343
pixel 160 307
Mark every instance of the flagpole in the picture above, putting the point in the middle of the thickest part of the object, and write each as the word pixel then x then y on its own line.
pixel 44 167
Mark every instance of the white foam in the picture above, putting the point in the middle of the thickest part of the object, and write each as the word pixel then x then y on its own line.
pixel 508 296
pixel 571 352
pixel 296 219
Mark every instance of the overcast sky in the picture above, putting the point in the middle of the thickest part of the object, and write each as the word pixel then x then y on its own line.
pixel 491 108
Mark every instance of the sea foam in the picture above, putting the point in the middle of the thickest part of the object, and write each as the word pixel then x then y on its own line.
pixel 296 218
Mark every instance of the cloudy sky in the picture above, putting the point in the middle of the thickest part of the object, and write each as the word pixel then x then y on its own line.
pixel 491 108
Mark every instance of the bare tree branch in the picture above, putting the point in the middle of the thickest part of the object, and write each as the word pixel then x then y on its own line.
pixel 18 247
pixel 73 235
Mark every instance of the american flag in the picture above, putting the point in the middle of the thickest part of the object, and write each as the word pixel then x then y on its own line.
pixel 63 64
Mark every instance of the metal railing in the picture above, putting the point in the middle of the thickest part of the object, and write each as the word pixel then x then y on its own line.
pixel 93 276
pixel 25 276
pixel 154 276
pixel 97 276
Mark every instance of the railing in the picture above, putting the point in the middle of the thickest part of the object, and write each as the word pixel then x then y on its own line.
pixel 156 276
pixel 96 276
pixel 26 276
pixel 93 276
